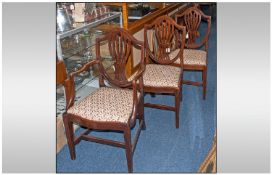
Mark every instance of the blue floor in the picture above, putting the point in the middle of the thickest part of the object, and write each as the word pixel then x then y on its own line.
pixel 161 147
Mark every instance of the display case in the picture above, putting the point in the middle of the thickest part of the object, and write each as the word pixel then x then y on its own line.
pixel 76 42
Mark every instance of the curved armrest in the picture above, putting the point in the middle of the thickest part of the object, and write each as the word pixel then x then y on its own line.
pixel 69 83
pixel 84 67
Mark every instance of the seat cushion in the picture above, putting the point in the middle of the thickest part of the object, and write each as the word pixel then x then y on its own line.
pixel 105 105
pixel 191 56
pixel 156 75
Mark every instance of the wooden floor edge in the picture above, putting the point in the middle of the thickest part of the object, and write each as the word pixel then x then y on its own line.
pixel 209 164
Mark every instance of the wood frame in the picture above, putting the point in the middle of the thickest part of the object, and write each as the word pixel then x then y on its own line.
pixel 117 37
pixel 209 165
pixel 139 24
pixel 61 72
pixel 192 18
pixel 165 28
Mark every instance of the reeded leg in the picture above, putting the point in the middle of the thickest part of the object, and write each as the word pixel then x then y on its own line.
pixel 127 137
pixel 69 130
pixel 177 106
pixel 204 79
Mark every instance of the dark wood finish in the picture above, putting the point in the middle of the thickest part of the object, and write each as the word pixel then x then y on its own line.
pixel 164 107
pixel 138 25
pixel 191 18
pixel 166 31
pixel 103 141
pixel 120 44
pixel 192 83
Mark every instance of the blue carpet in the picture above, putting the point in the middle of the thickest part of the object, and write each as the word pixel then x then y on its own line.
pixel 161 147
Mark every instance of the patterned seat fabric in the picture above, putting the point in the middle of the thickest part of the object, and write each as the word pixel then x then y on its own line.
pixel 105 105
pixel 191 56
pixel 156 75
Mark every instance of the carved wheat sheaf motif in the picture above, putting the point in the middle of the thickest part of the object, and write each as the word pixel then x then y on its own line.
pixel 120 45
pixel 192 21
pixel 120 49
pixel 167 36
pixel 164 32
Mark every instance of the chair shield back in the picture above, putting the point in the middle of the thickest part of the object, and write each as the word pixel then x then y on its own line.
pixel 192 18
pixel 120 46
pixel 164 37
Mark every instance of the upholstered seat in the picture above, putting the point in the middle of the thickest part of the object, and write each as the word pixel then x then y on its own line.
pixel 156 75
pixel 190 56
pixel 105 105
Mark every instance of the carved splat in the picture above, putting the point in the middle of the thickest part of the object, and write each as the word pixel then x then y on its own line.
pixel 192 18
pixel 167 36
pixel 120 49
pixel 192 21
pixel 120 44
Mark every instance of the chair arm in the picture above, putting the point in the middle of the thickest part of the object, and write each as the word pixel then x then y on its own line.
pixel 84 68
pixel 69 84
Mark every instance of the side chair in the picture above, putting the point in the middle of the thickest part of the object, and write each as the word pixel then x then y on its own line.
pixel 195 56
pixel 161 74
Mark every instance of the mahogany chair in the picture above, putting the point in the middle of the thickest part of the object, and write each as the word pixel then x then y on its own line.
pixel 115 107
pixel 196 52
pixel 161 75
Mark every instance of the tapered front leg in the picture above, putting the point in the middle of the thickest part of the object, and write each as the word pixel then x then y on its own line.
pixel 127 137
pixel 69 130
pixel 177 106
pixel 204 79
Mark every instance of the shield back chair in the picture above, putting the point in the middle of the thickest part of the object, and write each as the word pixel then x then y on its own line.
pixel 161 75
pixel 115 105
pixel 195 52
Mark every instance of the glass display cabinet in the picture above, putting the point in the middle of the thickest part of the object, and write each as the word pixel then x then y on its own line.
pixel 78 26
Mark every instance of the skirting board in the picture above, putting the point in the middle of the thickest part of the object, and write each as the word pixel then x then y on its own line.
pixel 209 164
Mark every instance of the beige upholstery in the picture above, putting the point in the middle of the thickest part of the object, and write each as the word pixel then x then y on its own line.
pixel 191 56
pixel 105 104
pixel 156 75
